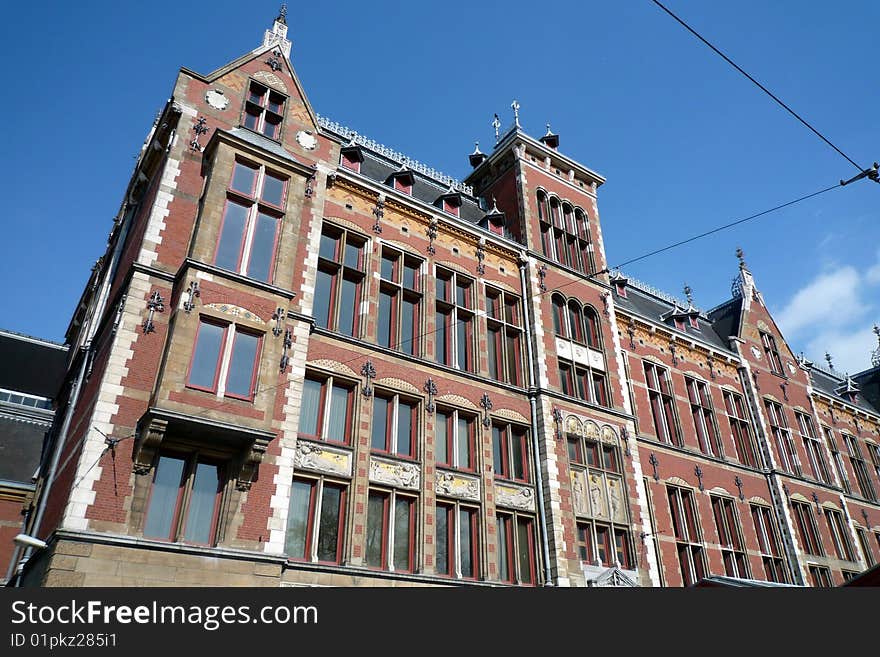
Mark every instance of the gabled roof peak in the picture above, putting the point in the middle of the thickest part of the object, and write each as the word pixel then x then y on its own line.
pixel 277 36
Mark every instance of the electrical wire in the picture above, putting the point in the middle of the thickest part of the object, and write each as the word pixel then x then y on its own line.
pixel 758 84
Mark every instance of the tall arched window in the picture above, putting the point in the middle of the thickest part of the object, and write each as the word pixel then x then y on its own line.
pixel 584 242
pixel 579 375
pixel 546 229
pixel 565 233
pixel 560 319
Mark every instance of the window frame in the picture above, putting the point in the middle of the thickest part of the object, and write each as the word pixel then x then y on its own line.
pixel 392 426
pixel 769 543
pixel 807 528
pixel 508 368
pixel 685 516
pixel 813 448
pixel 730 536
pixel 455 508
pixel 340 273
pixel 859 466
pixel 837 527
pixel 388 531
pixel 778 423
pixel 661 399
pixel 399 295
pixel 452 440
pixel 263 110
pixel 703 416
pixel 508 545
pixel 453 314
pixel 225 355
pixel 511 434
pixel 740 428
pixel 768 342
pixel 317 485
pixel 328 383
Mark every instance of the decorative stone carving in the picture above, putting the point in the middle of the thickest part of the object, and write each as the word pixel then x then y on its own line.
pixel 395 473
pixel 615 497
pixel 591 430
pixel 250 463
pixel 609 435
pixel 217 99
pixel 579 489
pixel 235 311
pixel 147 444
pixel 516 497
pixel 456 485
pixel 311 456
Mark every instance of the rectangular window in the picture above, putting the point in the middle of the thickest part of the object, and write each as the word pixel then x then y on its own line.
pixel 254 211
pixel 769 544
pixel 224 360
pixel 504 332
pixel 339 281
pixel 457 540
pixel 874 453
pixel 820 576
pixel 455 439
pixel 865 544
pixel 813 447
pixel 400 302
pixel 772 353
pixel 733 552
pixel 326 411
pixel 264 110
pixel 316 521
pixel 662 402
pixel 390 537
pixel 838 530
pixel 454 320
pixel 808 533
pixel 686 528
pixel 604 545
pixel 740 427
pixel 859 467
pixel 788 459
pixel 184 500
pixel 838 461
pixel 704 417
pixel 394 425
pixel 515 538
pixel 510 450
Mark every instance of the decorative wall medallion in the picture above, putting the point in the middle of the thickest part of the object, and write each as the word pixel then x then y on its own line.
pixel 456 485
pixel 515 497
pixel 394 473
pixel 217 99
pixel 756 352
pixel 307 140
pixel 323 459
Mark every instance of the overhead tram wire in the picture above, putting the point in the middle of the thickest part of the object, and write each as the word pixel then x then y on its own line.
pixel 759 85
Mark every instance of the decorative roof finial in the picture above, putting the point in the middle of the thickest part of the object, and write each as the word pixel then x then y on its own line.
pixel 477 157
pixel 875 356
pixel 477 150
pixel 742 258
pixel 828 360
pixel 549 131
pixel 689 294
pixel 515 106
pixel 282 15
pixel 496 123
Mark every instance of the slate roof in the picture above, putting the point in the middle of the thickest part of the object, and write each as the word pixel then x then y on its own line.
pixel 32 366
pixel 869 382
pixel 265 143
pixel 21 441
pixel 648 305
pixel 827 382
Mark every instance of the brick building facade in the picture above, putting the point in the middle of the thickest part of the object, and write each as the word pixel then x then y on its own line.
pixel 307 359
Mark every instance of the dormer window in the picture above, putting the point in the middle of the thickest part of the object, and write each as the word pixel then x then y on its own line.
pixel 450 206
pixel 449 202
pixel 351 158
pixel 264 110
pixel 679 324
pixel 402 181
pixel 694 323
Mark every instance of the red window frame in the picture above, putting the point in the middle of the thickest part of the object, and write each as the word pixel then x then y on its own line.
pixel 326 397
pixel 510 435
pixel 217 367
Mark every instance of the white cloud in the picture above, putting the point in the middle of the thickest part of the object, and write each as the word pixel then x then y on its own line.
pixel 834 313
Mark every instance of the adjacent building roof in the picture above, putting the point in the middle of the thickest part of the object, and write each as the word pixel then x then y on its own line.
pixel 830 383
pixel 31 365
pixel 21 441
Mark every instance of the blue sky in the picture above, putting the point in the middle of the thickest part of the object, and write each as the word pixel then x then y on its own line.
pixel 685 142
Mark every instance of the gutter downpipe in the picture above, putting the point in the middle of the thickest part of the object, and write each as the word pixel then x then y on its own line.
pixel 532 392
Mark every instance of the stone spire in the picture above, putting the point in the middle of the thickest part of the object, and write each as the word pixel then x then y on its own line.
pixel 277 36
pixel 875 356
pixel 744 284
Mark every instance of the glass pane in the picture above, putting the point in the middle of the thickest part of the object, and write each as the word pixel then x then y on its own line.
pixel 410 276
pixel 348 305
pixel 524 543
pixel 442 339
pixel 298 520
pixel 352 254
pixel 602 544
pixel 328 531
pixel 498 451
pixel 163 498
pixel 308 415
pixel 464 443
pixel 207 355
pixel 511 311
pixel 231 237
pixel 270 127
pixel 323 294
pixel 200 516
pixel 503 562
pixel 240 379
pixel 466 541
pixel 442 290
pixel 462 347
pixel 389 264
pixel 512 349
pixel 493 344
pixel 329 244
pixel 402 534
pixel 441 442
pixel 383 331
pixel 256 93
pixel 493 306
pixel 243 178
pixel 337 428
pixel 273 190
pixel 517 457
pixel 263 247
pixel 375 530
pixel 252 118
pixel 380 423
pixel 276 102
pixel 462 294
pixel 404 429
pixel 407 342
pixel 441 540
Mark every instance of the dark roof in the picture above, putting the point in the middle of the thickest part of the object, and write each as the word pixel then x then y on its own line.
pixel 21 440
pixel 828 383
pixel 870 577
pixel 32 366
pixel 649 306
pixel 379 169
pixel 723 581
pixel 725 318
pixel 263 142
pixel 869 382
